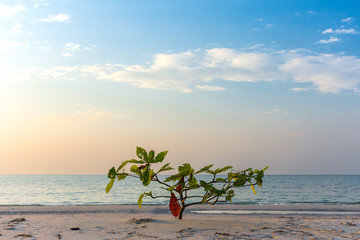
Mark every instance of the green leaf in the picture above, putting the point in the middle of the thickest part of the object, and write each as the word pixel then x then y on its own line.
pixel 171 188
pixel 136 161
pixel 185 169
pixel 140 199
pixel 160 157
pixel 122 165
pixel 204 169
pixel 247 170
pixel 135 169
pixel 151 155
pixel 266 168
pixel 174 177
pixel 121 176
pixel 165 168
pixel 142 154
pixel 252 187
pixel 109 185
pixel 112 173
pixel 193 182
pixel 147 176
pixel 221 180
pixel 223 169
pixel 205 185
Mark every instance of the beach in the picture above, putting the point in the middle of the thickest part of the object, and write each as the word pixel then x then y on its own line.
pixel 200 222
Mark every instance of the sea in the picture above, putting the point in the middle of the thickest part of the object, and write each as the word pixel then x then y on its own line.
pixel 90 190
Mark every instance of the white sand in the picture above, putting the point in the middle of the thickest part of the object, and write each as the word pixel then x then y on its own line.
pixel 114 222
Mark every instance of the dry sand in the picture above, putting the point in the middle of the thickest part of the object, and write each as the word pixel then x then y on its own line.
pixel 155 222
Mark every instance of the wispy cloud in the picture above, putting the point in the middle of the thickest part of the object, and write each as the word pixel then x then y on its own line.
pixel 71 48
pixel 298 89
pixel 349 19
pixel 17 29
pixel 61 17
pixel 210 88
pixel 311 12
pixel 340 31
pixel 185 71
pixel 330 40
pixel 41 3
pixel 329 73
pixel 8 11
pixel 275 111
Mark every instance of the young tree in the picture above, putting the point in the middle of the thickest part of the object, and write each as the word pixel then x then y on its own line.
pixel 185 181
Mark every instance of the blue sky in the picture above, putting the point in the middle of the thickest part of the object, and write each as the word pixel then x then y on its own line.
pixel 245 83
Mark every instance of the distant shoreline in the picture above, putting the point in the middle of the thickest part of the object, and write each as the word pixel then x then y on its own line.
pixel 163 209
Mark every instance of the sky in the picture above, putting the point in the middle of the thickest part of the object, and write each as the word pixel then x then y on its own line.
pixel 249 83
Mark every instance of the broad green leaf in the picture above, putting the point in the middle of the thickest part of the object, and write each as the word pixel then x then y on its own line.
pixel 112 173
pixel 147 176
pixel 122 165
pixel 121 176
pixel 185 169
pixel 266 168
pixel 160 157
pixel 142 154
pixel 151 155
pixel 204 169
pixel 252 187
pixel 136 161
pixel 135 169
pixel 109 185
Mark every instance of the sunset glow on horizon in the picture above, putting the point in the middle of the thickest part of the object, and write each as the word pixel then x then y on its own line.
pixel 241 83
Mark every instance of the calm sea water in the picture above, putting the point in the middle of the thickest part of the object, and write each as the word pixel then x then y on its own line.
pixel 90 190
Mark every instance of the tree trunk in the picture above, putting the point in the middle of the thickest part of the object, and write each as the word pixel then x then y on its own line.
pixel 181 212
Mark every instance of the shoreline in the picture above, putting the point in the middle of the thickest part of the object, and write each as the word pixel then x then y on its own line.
pixel 156 209
pixel 107 222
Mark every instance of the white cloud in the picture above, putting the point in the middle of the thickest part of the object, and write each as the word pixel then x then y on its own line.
pixel 311 12
pixel 8 11
pixel 299 89
pixel 56 18
pixel 269 25
pixel 330 73
pixel 330 40
pixel 275 111
pixel 340 31
pixel 71 48
pixel 210 88
pixel 185 71
pixel 349 19
pixel 16 29
pixel 43 4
